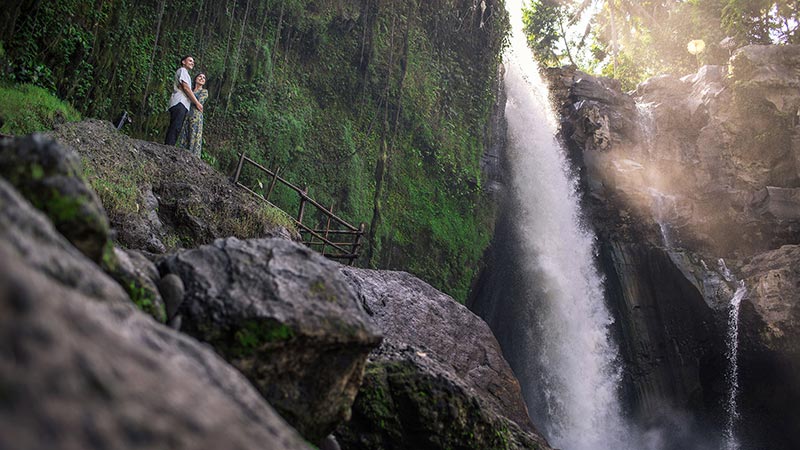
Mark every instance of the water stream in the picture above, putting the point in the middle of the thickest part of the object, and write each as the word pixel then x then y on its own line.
pixel 732 374
pixel 565 358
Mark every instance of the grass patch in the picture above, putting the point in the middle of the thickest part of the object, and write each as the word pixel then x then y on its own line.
pixel 26 109
pixel 119 190
pixel 253 223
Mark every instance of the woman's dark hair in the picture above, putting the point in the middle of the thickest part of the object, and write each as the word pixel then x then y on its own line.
pixel 180 63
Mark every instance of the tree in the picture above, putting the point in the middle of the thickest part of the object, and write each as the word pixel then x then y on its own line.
pixel 633 40
pixel 547 36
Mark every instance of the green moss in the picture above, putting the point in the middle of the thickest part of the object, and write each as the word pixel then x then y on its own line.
pixel 145 300
pixel 400 401
pixel 318 90
pixel 26 109
pixel 37 172
pixel 254 334
pixel 109 260
pixel 63 208
pixel 319 289
pixel 120 187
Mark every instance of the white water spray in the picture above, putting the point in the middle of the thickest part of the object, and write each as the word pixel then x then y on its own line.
pixel 660 206
pixel 731 442
pixel 577 375
pixel 660 203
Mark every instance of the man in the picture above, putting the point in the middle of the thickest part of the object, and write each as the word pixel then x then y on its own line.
pixel 181 100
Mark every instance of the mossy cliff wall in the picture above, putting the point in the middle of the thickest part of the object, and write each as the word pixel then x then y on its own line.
pixel 380 107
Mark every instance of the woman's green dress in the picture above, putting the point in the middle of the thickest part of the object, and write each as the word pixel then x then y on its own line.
pixel 191 136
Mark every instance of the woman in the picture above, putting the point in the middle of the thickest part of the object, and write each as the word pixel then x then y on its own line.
pixel 192 131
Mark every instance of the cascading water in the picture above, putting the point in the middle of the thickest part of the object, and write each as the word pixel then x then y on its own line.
pixel 564 356
pixel 661 203
pixel 732 374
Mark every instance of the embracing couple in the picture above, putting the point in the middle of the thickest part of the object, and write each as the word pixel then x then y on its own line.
pixel 186 109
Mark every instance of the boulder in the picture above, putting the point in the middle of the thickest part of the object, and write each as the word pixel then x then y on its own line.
pixel 438 380
pixel 51 178
pixel 781 203
pixel 139 277
pixel 28 233
pixel 773 281
pixel 285 317
pixel 772 71
pixel 78 374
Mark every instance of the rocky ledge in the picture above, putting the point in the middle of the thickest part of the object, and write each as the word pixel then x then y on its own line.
pixel 278 346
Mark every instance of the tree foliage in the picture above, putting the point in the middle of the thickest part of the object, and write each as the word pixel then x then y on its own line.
pixel 633 40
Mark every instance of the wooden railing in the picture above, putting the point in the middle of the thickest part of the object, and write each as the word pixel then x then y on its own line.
pixel 335 239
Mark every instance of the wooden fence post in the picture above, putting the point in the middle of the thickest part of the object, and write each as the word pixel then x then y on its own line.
pixel 272 184
pixel 327 228
pixel 238 169
pixel 356 243
pixel 302 208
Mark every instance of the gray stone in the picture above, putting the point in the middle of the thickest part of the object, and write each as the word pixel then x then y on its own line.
pixel 771 69
pixel 51 178
pixel 172 291
pixel 138 276
pixel 33 238
pixel 671 335
pixel 773 281
pixel 285 317
pixel 180 201
pixel 435 353
pixel 781 203
pixel 76 374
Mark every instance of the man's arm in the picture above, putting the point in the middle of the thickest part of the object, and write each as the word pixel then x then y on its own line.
pixel 191 96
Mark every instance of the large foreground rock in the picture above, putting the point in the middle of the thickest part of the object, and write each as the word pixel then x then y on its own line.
pixel 286 318
pixel 80 374
pixel 30 236
pixel 438 381
pixel 50 176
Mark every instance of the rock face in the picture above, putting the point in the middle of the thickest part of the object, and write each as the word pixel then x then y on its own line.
pixel 165 198
pixel 668 333
pixel 438 380
pixel 286 318
pixel 684 172
pixel 79 369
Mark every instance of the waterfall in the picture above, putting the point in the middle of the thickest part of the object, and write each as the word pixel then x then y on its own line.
pixel 562 351
pixel 660 206
pixel 732 374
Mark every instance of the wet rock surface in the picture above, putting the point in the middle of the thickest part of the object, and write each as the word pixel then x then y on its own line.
pixel 283 316
pixel 438 380
pixel 79 374
pixel 703 168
